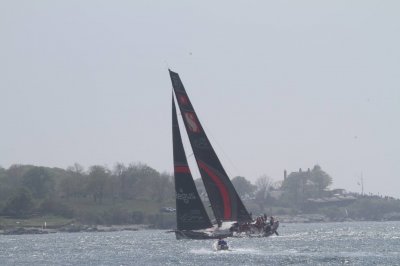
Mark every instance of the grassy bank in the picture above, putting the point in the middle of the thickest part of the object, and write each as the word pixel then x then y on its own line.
pixel 36 221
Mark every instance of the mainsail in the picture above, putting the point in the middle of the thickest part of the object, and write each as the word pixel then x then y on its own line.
pixel 190 212
pixel 225 202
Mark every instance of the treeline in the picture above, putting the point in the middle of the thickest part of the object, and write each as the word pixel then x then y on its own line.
pixel 137 194
pixel 309 192
pixel 98 195
pixel 292 192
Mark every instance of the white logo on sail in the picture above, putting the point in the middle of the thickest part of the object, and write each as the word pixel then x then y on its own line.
pixel 192 122
pixel 185 196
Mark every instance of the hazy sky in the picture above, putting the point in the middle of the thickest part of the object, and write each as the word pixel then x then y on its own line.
pixel 276 84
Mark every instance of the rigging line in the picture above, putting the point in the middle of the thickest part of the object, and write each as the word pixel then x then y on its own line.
pixel 224 153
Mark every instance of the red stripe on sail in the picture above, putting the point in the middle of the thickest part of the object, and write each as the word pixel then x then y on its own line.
pixel 222 189
pixel 182 169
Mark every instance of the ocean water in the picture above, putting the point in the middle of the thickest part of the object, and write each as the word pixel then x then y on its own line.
pixel 350 243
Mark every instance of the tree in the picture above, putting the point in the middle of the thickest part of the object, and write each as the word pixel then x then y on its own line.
pixel 264 183
pixel 120 174
pixel 2 171
pixel 72 185
pixel 39 182
pixel 142 178
pixel 320 179
pixel 3 184
pixel 243 186
pixel 76 169
pixel 299 186
pixel 14 176
pixel 163 188
pixel 263 186
pixel 293 189
pixel 97 181
pixel 20 204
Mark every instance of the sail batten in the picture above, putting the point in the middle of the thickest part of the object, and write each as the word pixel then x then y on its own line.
pixel 225 202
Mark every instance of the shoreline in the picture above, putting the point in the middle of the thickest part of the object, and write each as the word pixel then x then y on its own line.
pixel 71 228
pixel 76 228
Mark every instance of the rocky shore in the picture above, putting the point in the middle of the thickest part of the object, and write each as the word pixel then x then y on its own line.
pixel 76 227
pixel 320 218
pixel 72 228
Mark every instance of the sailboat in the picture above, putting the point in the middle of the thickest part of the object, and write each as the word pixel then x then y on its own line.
pixel 227 207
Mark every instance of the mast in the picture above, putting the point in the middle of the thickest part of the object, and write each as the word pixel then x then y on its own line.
pixel 225 202
pixel 190 211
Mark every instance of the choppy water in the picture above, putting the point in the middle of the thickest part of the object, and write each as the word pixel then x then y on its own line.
pixel 365 243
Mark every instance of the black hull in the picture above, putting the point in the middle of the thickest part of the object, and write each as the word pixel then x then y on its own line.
pixel 256 232
pixel 198 235
pixel 273 231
